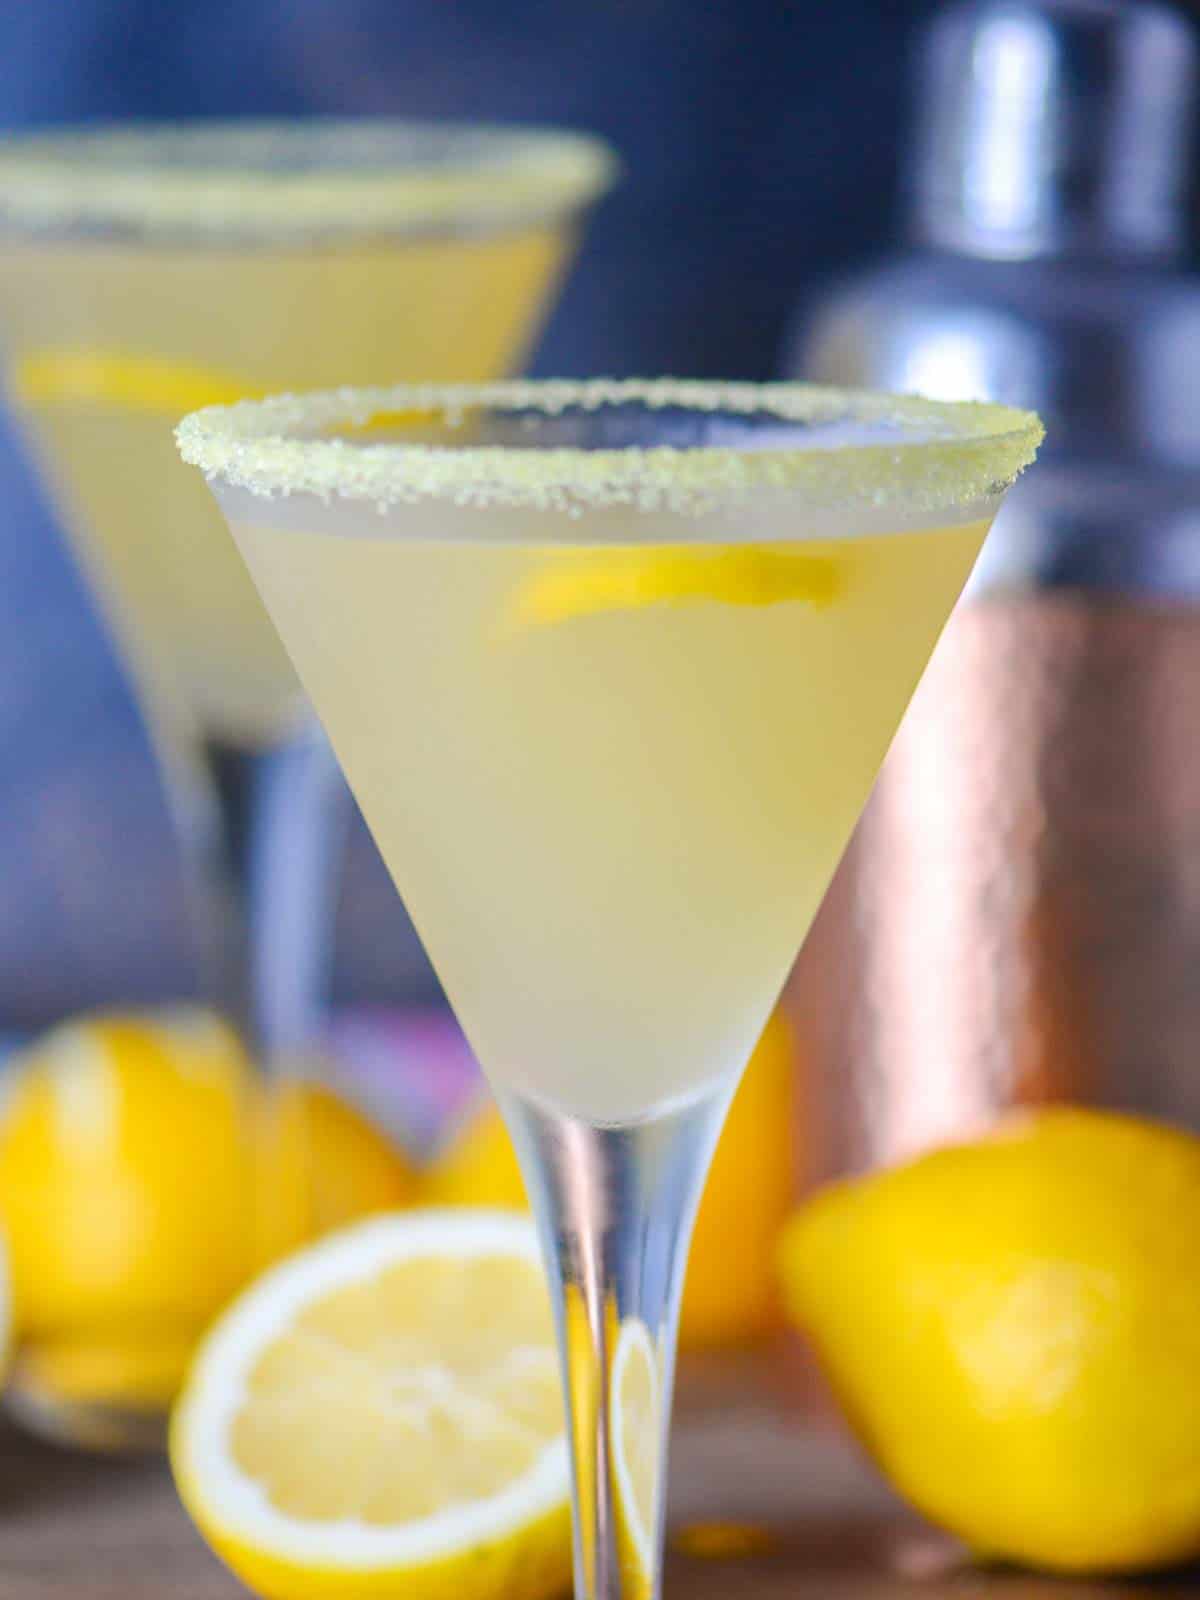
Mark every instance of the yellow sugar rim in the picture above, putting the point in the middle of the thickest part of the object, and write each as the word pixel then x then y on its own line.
pixel 302 178
pixel 888 452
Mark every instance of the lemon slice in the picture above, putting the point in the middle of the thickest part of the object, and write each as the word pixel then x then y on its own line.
pixel 580 583
pixel 381 1415
pixel 635 1427
pixel 65 375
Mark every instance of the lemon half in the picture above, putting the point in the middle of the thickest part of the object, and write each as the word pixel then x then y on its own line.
pixel 381 1416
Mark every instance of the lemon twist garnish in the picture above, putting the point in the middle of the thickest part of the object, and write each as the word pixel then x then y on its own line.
pixel 65 376
pixel 116 378
pixel 386 422
pixel 723 1541
pixel 584 583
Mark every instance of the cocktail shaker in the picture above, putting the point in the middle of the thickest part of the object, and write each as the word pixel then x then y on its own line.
pixel 1018 916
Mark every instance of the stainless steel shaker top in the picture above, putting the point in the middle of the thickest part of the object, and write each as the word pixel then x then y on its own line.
pixel 1057 128
pixel 1049 203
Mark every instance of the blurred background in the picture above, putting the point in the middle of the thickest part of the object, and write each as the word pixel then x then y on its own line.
pixel 761 144
pixel 989 199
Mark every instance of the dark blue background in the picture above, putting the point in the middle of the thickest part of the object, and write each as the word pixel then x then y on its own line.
pixel 760 139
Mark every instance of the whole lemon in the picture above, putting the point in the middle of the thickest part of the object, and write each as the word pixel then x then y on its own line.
pixel 146 1171
pixel 320 1164
pixel 731 1293
pixel 1013 1327
pixel 125 1159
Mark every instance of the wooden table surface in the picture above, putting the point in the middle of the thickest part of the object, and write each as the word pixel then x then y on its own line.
pixel 74 1527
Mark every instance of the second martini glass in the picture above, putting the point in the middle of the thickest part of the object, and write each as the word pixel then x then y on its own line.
pixel 145 271
pixel 611 669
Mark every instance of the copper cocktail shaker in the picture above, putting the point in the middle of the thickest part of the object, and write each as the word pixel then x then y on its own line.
pixel 1018 917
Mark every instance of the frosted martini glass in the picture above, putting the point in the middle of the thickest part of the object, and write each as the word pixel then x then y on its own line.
pixel 611 668
pixel 146 271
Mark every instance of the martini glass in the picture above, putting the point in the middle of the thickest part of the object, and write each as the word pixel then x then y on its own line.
pixel 611 668
pixel 145 271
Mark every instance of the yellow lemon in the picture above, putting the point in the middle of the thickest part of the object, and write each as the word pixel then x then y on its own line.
pixel 120 379
pixel 731 1294
pixel 478 1167
pixel 124 1169
pixel 320 1164
pixel 381 1416
pixel 1014 1329
pixel 145 1172
pixel 580 583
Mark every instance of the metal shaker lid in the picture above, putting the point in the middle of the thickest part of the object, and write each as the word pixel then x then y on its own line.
pixel 1055 128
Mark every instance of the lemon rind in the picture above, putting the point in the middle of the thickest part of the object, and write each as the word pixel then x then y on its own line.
pixel 225 1499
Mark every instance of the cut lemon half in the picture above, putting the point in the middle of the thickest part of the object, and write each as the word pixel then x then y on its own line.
pixel 381 1415
pixel 66 375
pixel 580 583
pixel 635 1427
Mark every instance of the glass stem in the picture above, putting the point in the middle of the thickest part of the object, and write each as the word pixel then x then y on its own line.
pixel 299 816
pixel 262 860
pixel 615 1208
